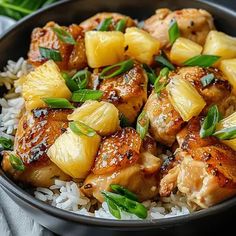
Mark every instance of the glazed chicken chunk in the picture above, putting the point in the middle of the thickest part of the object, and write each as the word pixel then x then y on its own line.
pixel 207 172
pixel 119 161
pixel 166 122
pixel 35 134
pixel 128 92
pixel 193 24
pixel 72 56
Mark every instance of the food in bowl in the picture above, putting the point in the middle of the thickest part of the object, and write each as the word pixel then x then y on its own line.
pixel 121 119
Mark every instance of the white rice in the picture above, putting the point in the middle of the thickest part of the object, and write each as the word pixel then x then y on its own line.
pixel 67 195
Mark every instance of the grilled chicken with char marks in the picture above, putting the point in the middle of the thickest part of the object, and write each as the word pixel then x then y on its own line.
pixel 35 134
pixel 193 24
pixel 119 161
pixel 166 122
pixel 128 92
pixel 207 172
pixel 73 56
pixel 93 22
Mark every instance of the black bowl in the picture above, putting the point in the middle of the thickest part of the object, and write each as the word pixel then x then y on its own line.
pixel 15 43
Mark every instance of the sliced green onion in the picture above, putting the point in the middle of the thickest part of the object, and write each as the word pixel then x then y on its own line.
pixel 173 31
pixel 142 124
pixel 113 208
pixel 58 103
pixel 81 78
pixel 127 204
pixel 124 122
pixel 71 84
pixel 48 53
pixel 209 124
pixel 120 26
pixel 6 143
pixel 201 60
pixel 207 79
pixel 16 163
pixel 117 69
pixel 104 25
pixel 164 62
pixel 123 191
pixel 150 73
pixel 86 94
pixel 159 86
pixel 64 36
pixel 226 133
pixel 81 129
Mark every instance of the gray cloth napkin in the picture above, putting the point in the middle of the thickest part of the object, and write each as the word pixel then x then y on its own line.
pixel 15 222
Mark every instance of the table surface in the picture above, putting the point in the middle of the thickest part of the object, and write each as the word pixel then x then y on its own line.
pixel 10 226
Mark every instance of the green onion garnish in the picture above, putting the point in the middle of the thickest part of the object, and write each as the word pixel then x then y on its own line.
pixel 81 129
pixel 207 79
pixel 64 36
pixel 117 69
pixel 104 25
pixel 142 124
pixel 123 191
pixel 209 124
pixel 150 73
pixel 6 143
pixel 71 84
pixel 226 133
pixel 48 53
pixel 58 103
pixel 164 62
pixel 173 31
pixel 81 78
pixel 86 94
pixel 113 208
pixel 125 204
pixel 158 85
pixel 16 163
pixel 120 26
pixel 124 122
pixel 201 60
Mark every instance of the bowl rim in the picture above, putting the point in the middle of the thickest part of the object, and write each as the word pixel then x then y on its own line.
pixel 9 186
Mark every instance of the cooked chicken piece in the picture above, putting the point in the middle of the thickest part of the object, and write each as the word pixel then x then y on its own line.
pixel 35 134
pixel 92 22
pixel 119 162
pixel 150 145
pixel 193 24
pixel 207 173
pixel 73 57
pixel 166 122
pixel 128 92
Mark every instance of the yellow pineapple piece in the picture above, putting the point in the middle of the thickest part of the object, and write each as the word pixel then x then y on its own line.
pixel 183 49
pixel 228 122
pixel 74 154
pixel 141 45
pixel 103 117
pixel 228 67
pixel 220 44
pixel 44 81
pixel 185 98
pixel 104 48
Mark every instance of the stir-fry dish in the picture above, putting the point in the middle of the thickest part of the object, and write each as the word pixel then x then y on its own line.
pixel 124 119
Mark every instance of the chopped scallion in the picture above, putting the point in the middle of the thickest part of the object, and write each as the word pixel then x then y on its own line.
pixel 164 62
pixel 207 79
pixel 81 129
pixel 64 36
pixel 86 94
pixel 104 25
pixel 58 103
pixel 202 60
pixel 16 163
pixel 173 31
pixel 142 124
pixel 48 53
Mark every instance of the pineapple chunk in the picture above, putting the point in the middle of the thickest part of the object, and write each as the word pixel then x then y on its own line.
pixel 100 116
pixel 44 81
pixel 220 44
pixel 228 122
pixel 185 98
pixel 228 67
pixel 141 45
pixel 74 154
pixel 104 48
pixel 183 49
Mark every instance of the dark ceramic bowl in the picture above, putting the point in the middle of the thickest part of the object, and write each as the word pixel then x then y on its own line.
pixel 15 43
